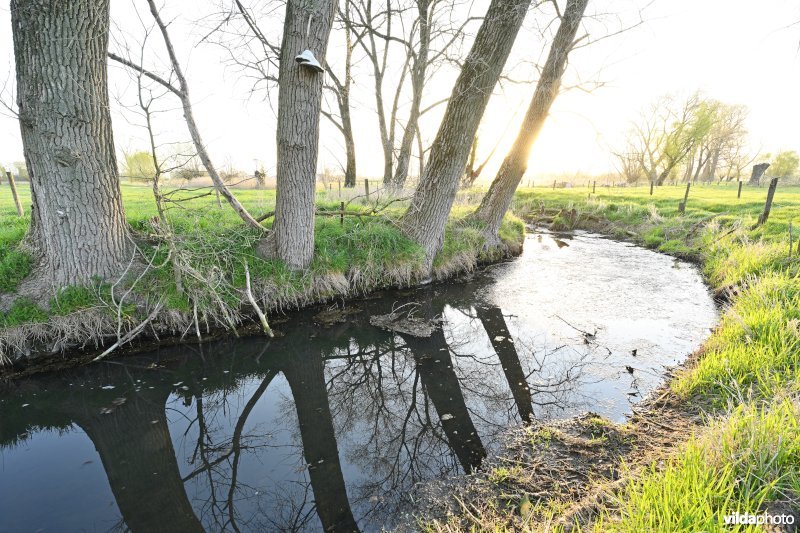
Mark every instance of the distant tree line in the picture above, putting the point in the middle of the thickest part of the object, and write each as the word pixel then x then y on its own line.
pixel 693 139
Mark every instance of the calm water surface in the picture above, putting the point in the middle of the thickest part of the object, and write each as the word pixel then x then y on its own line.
pixel 331 428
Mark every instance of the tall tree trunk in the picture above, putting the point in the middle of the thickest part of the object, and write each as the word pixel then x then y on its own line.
pixel 418 71
pixel 62 93
pixel 662 177
pixel 307 25
pixel 496 202
pixel 711 167
pixel 344 109
pixel 427 215
pixel 350 172
pixel 701 162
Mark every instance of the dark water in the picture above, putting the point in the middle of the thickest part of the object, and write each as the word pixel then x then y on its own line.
pixel 332 428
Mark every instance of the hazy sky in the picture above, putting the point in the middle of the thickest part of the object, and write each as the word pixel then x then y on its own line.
pixel 736 51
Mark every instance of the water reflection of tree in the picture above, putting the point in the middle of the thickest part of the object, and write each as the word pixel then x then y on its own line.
pixel 135 446
pixel 494 323
pixel 404 409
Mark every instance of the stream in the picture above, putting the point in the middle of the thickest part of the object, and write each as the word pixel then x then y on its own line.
pixel 332 425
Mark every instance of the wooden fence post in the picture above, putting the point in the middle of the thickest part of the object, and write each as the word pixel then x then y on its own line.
pixel 554 184
pixel 651 187
pixel 340 187
pixel 682 205
pixel 366 188
pixel 341 214
pixel 594 186
pixel 773 184
pixel 790 239
pixel 13 185
pixel 739 194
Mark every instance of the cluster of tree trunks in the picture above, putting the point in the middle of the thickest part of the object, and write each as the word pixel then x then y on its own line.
pixel 79 228
pixel 496 202
pixel 430 207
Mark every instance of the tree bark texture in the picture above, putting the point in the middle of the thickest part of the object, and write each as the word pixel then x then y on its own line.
pixel 62 92
pixel 497 200
pixel 430 207
pixel 307 25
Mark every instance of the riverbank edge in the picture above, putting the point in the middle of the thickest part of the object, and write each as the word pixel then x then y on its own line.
pixel 76 339
pixel 574 474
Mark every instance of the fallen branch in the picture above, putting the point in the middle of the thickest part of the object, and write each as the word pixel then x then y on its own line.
pixel 131 334
pixel 265 216
pixel 261 317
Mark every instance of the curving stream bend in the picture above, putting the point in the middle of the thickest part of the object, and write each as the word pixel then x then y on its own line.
pixel 331 427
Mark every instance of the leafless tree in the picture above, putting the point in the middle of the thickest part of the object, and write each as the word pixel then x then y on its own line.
pixel 427 215
pixel 416 38
pixel 181 90
pixel 341 87
pixel 495 203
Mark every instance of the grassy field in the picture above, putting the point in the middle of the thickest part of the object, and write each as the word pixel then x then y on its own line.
pixel 745 455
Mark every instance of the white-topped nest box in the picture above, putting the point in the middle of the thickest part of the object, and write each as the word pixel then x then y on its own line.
pixel 307 60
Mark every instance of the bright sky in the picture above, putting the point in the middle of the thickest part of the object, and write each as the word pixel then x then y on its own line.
pixel 731 50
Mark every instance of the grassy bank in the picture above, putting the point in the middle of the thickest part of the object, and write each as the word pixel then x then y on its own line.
pixel 723 435
pixel 212 249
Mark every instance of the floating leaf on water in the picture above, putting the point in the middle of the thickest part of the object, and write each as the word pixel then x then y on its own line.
pixel 447 416
pixel 107 387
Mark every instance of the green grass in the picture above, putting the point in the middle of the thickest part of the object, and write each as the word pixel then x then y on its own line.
pixel 14 263
pixel 214 242
pixel 740 465
pixel 750 363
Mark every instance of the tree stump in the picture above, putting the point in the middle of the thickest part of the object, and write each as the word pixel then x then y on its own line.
pixel 758 172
